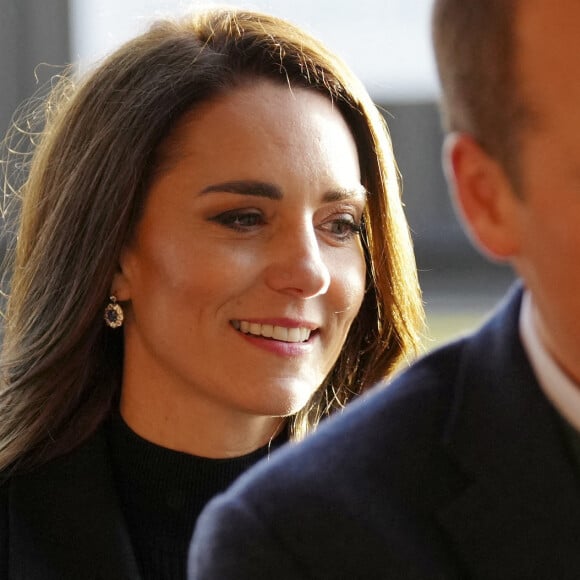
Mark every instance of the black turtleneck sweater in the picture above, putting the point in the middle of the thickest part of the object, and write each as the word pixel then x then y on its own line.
pixel 162 493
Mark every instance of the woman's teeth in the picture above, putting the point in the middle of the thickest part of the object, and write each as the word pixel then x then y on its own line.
pixel 275 332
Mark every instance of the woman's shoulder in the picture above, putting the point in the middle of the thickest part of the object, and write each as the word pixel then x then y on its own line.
pixel 48 479
pixel 5 482
pixel 64 493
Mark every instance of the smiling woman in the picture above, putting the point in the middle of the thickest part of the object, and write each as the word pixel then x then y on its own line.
pixel 222 191
pixel 242 235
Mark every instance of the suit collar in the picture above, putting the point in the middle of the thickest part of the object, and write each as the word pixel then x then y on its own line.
pixel 524 495
pixel 67 523
pixel 557 385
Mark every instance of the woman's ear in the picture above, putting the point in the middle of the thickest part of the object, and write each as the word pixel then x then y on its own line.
pixel 121 284
pixel 483 196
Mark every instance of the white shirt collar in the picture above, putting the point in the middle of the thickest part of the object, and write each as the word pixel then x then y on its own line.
pixel 555 384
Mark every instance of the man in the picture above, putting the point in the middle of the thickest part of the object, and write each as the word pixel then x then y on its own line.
pixel 467 465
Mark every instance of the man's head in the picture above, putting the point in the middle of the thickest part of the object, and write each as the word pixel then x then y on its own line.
pixel 475 52
pixel 513 156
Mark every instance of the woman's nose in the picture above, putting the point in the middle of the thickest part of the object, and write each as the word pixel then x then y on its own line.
pixel 297 265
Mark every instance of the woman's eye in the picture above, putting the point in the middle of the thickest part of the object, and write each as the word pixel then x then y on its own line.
pixel 239 220
pixel 342 228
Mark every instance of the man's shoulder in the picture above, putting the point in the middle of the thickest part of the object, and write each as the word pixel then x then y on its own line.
pixel 419 396
pixel 382 461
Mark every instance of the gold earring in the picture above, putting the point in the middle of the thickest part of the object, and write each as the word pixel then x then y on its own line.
pixel 113 313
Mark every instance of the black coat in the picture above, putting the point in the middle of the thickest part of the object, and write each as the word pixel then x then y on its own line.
pixel 459 469
pixel 63 521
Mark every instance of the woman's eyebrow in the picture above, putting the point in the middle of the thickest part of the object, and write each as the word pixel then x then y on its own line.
pixel 342 194
pixel 246 187
pixel 271 191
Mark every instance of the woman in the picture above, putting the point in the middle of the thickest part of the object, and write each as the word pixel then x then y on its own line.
pixel 221 190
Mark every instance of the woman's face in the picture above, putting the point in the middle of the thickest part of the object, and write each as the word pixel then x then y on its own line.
pixel 246 269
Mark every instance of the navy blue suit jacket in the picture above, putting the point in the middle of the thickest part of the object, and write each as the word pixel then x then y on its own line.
pixel 458 469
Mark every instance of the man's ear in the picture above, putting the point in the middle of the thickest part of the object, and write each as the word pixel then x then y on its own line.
pixel 483 196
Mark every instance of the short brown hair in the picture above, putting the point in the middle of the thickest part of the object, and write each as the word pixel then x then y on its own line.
pixel 61 367
pixel 475 52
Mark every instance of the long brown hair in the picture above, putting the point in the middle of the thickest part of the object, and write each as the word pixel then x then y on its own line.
pixel 85 187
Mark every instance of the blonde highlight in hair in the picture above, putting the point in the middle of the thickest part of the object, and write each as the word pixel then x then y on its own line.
pixel 83 193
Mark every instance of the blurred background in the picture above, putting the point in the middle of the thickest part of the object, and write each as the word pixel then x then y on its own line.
pixel 386 42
